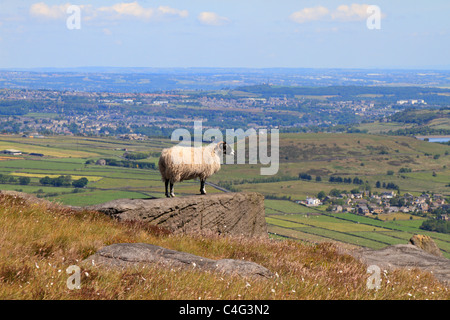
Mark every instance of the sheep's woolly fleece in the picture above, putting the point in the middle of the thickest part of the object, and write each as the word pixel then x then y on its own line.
pixel 179 163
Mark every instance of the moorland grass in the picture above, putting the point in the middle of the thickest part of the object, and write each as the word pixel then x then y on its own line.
pixel 41 240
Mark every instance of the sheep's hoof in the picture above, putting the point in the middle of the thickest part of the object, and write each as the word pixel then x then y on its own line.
pixel 167 195
pixel 172 195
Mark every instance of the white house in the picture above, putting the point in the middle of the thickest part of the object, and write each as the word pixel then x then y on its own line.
pixel 313 202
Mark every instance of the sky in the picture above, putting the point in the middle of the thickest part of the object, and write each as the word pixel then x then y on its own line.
pixel 225 34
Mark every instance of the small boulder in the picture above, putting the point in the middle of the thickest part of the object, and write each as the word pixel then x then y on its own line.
pixel 123 255
pixel 425 243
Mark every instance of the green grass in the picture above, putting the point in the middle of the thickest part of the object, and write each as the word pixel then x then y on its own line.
pixel 353 229
pixel 285 206
pixel 96 197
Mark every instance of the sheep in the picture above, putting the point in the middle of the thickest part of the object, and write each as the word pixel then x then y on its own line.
pixel 180 163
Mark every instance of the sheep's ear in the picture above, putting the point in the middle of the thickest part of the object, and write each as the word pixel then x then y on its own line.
pixel 222 145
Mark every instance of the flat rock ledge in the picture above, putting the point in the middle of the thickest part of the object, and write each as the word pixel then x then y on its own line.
pixel 124 255
pixel 240 214
pixel 406 256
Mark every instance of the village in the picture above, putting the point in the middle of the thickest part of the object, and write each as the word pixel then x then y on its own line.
pixel 387 202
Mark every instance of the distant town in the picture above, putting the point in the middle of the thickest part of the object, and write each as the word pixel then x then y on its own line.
pixel 369 204
pixel 36 113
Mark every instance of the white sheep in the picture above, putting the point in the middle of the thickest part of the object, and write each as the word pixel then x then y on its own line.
pixel 180 163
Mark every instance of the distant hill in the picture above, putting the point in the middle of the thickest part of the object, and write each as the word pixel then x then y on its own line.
pixel 413 121
pixel 377 93
pixel 136 79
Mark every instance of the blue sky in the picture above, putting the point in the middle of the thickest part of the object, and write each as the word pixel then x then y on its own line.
pixel 225 33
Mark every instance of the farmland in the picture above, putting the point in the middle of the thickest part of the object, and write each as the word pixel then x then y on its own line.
pixel 367 156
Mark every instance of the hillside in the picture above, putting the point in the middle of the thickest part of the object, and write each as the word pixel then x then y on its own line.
pixel 412 122
pixel 369 158
pixel 40 241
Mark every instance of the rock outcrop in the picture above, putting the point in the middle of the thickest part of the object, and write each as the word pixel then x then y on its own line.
pixel 406 256
pixel 240 214
pixel 426 243
pixel 123 255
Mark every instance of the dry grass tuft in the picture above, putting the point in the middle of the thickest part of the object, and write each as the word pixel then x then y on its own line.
pixel 39 241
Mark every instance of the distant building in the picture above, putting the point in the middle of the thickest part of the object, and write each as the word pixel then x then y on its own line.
pixel 363 210
pixel 392 209
pixel 313 202
pixel 411 101
pixel 377 209
pixel 101 162
pixel 388 195
pixel 12 152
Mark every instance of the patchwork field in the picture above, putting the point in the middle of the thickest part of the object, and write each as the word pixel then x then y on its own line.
pixel 320 226
pixel 371 158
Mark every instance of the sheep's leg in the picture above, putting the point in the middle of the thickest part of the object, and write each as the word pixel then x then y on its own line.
pixel 171 190
pixel 202 187
pixel 167 188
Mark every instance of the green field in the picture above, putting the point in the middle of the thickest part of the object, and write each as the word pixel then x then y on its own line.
pixel 366 156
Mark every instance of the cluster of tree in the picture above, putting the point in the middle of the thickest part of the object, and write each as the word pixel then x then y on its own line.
pixel 136 155
pixel 64 181
pixel 264 180
pixel 441 226
pixel 333 193
pixel 275 197
pixel 140 155
pixel 130 164
pixel 338 179
pixel 4 178
pixel 304 176
pixel 423 131
pixel 126 164
pixel 389 185
pixel 404 170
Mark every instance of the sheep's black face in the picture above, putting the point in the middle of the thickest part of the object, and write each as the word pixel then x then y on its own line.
pixel 227 149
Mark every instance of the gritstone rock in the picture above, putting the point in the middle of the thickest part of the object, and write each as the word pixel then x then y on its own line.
pixel 124 255
pixel 241 214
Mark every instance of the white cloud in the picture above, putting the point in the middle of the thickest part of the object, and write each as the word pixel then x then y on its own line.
pixel 212 19
pixel 57 12
pixel 42 10
pixel 309 14
pixel 116 11
pixel 165 10
pixel 354 12
pixel 343 13
pixel 107 31
pixel 135 10
pixel 132 9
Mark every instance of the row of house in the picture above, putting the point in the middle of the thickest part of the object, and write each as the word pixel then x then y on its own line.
pixel 365 204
